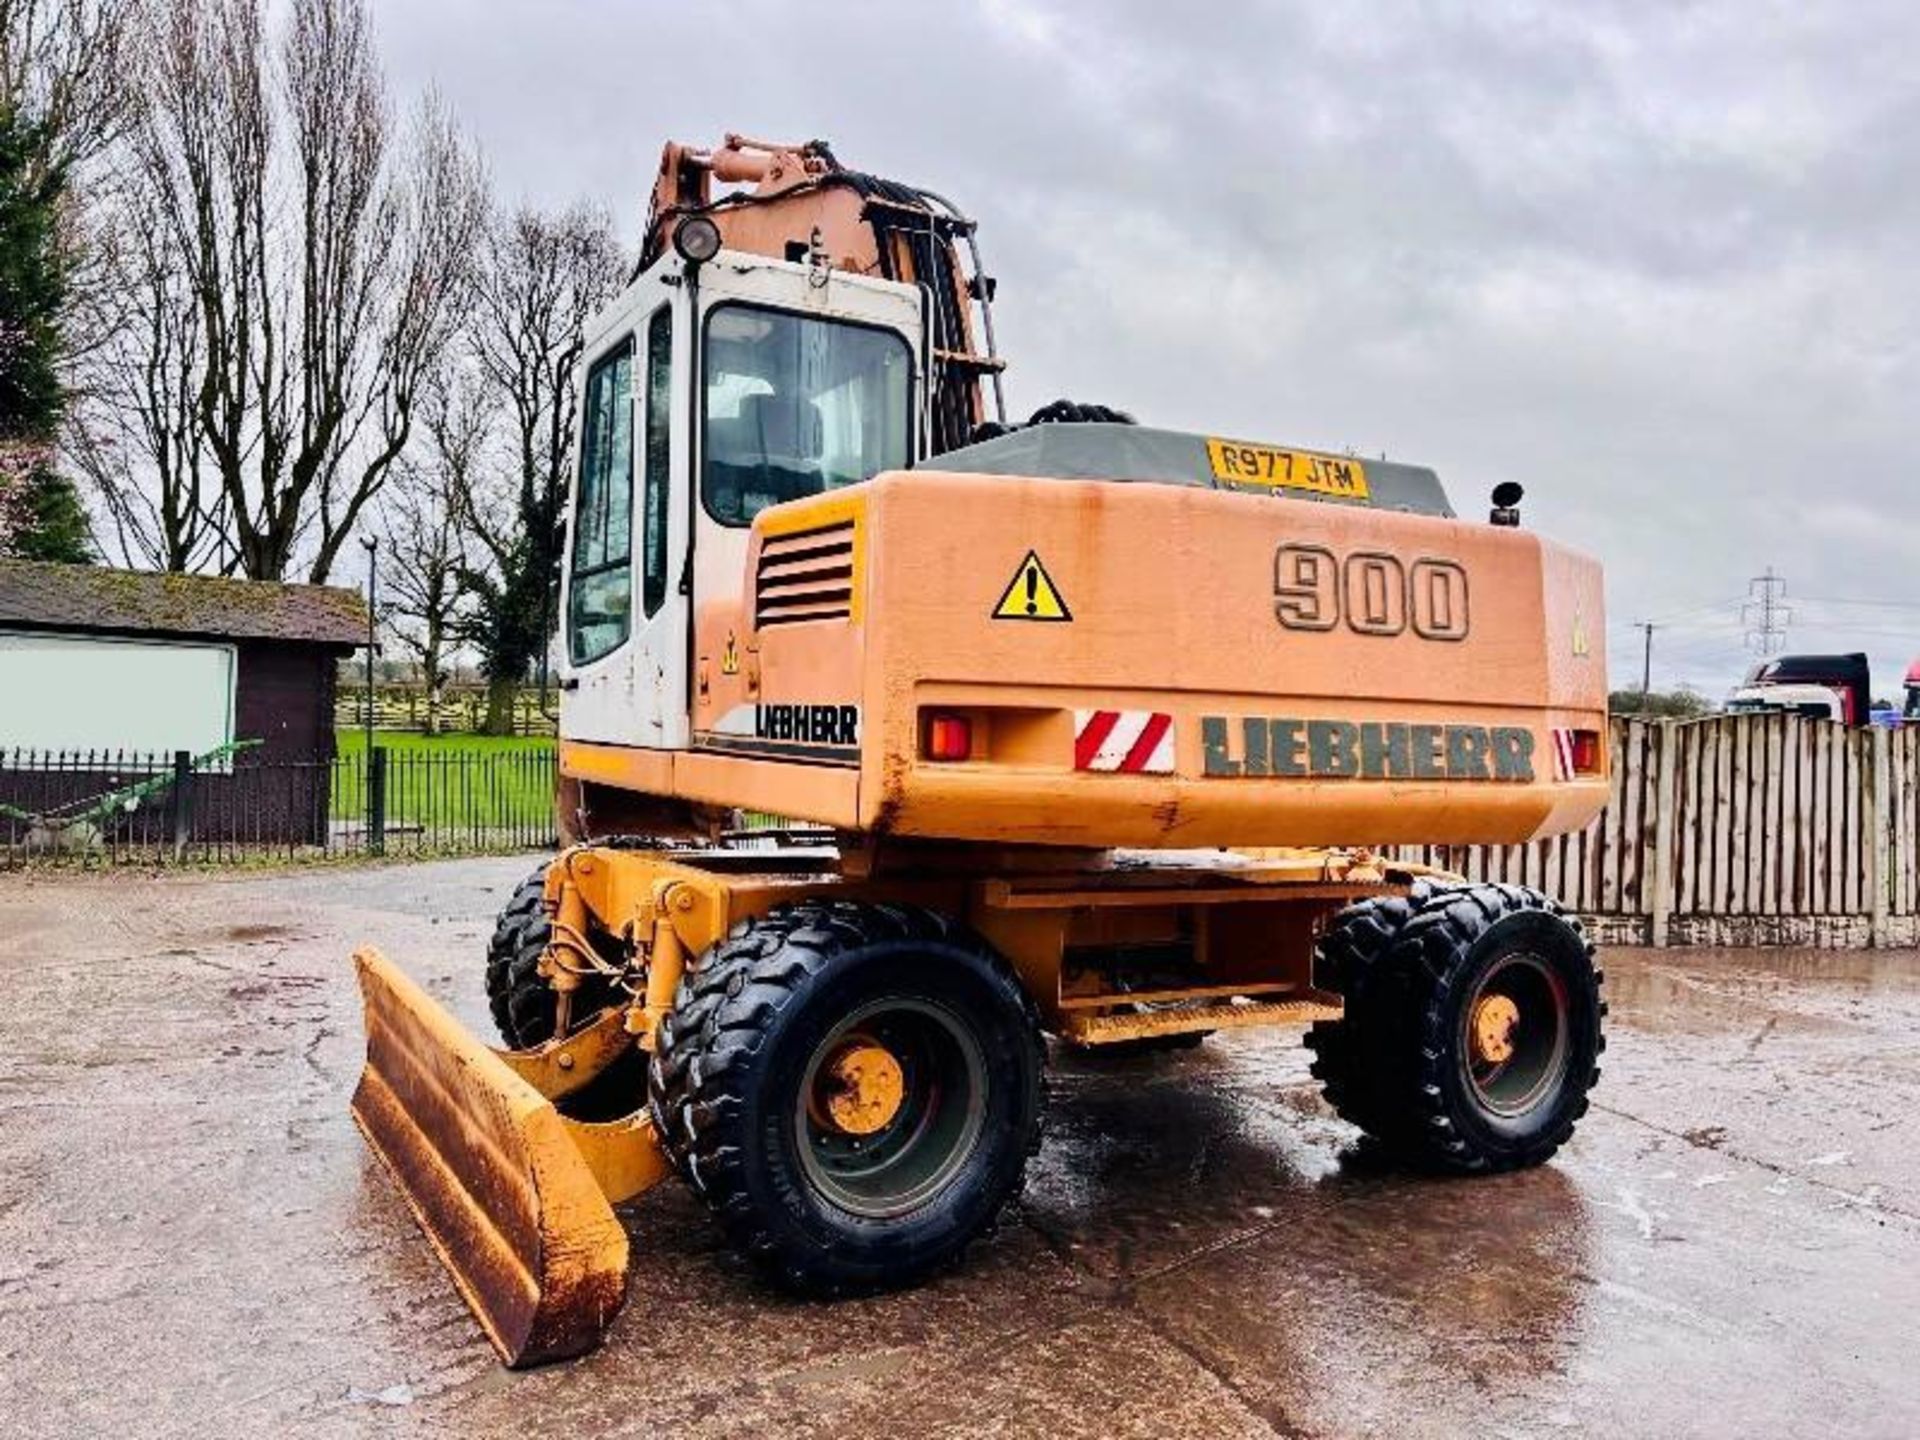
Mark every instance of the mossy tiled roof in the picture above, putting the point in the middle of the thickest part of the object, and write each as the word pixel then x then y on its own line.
pixel 93 597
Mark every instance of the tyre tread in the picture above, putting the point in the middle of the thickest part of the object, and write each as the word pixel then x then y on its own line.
pixel 1398 962
pixel 706 1051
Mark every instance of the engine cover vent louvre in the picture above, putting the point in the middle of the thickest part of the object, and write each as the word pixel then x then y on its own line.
pixel 805 576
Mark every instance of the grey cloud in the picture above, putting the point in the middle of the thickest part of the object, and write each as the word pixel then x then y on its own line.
pixel 1656 261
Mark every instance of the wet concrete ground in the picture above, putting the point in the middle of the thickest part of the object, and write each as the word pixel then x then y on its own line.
pixel 193 1239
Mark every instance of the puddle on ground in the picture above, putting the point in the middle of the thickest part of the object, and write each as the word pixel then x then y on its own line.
pixel 253 934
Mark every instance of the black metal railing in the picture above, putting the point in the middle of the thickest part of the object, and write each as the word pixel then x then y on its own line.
pixel 117 807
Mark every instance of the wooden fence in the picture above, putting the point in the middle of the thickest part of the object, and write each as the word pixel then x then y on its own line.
pixel 462 709
pixel 1737 830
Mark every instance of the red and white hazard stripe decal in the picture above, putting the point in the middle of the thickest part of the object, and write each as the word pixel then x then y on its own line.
pixel 1563 768
pixel 1135 742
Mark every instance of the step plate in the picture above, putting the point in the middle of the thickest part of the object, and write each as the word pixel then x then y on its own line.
pixel 1112 1028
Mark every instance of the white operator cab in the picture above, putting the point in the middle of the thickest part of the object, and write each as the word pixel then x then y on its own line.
pixel 708 393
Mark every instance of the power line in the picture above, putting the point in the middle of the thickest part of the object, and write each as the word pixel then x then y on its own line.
pixel 1718 635
pixel 1673 616
pixel 1732 656
pixel 1765 614
pixel 1836 600
pixel 1837 628
pixel 1697 627
pixel 1719 612
pixel 1732 644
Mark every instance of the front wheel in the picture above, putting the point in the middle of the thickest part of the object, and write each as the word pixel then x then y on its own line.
pixel 524 1005
pixel 1472 1026
pixel 853 1089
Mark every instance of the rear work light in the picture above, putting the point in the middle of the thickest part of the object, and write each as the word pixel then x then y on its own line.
pixel 949 737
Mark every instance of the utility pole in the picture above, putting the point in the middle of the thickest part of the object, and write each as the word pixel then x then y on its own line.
pixel 372 544
pixel 1765 616
pixel 376 819
pixel 1646 658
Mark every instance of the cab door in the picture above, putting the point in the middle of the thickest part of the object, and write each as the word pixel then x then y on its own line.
pixel 624 636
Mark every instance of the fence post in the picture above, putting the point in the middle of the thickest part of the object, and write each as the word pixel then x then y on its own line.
pixel 182 802
pixel 1880 811
pixel 377 800
pixel 1665 799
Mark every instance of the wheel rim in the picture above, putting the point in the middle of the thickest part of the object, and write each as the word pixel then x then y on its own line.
pixel 1515 1035
pixel 891 1104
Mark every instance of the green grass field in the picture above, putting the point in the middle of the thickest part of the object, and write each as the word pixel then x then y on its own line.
pixel 408 742
pixel 450 783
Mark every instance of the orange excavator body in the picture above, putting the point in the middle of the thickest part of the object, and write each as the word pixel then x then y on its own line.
pixel 1121 715
pixel 1318 674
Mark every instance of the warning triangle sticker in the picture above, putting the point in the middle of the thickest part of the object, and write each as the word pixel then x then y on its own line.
pixel 1032 595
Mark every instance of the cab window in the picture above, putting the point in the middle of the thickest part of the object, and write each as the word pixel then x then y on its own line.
pixel 796 405
pixel 600 590
pixel 653 517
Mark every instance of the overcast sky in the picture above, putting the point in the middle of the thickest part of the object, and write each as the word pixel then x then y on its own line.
pixel 1658 262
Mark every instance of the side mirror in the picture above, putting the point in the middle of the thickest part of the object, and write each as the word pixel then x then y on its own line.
pixel 1506 504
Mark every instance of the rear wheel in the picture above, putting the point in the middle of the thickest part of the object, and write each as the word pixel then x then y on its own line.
pixel 1472 1027
pixel 853 1089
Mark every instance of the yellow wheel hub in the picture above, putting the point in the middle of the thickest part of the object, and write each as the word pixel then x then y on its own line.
pixel 1494 1019
pixel 860 1088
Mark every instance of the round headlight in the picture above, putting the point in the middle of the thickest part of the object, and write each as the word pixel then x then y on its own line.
pixel 696 239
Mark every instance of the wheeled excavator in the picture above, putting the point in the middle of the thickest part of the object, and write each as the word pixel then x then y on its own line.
pixel 899 743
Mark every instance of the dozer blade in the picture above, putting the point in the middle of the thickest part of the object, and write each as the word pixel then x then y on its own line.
pixel 513 1195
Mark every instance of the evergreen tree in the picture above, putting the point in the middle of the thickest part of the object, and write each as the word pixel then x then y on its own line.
pixel 55 525
pixel 46 519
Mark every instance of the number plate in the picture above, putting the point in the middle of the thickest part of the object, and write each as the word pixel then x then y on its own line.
pixel 1239 463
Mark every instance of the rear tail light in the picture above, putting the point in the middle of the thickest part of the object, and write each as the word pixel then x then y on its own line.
pixel 1575 753
pixel 949 737
pixel 1586 752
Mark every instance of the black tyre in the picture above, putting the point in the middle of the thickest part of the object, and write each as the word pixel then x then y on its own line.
pixel 853 1089
pixel 522 1002
pixel 1472 1029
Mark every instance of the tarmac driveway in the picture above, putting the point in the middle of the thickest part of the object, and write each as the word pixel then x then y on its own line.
pixel 194 1240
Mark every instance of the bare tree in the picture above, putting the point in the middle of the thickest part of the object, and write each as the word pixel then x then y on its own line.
pixel 327 258
pixel 427 543
pixel 542 278
pixel 135 431
pixel 61 63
